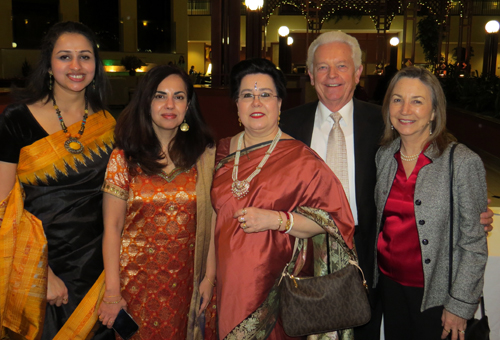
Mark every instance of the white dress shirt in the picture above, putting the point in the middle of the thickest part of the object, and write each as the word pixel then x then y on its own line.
pixel 323 123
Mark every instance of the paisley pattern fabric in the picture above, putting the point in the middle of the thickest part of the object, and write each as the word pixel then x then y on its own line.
pixel 158 245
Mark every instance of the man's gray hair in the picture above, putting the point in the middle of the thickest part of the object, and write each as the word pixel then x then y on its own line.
pixel 335 36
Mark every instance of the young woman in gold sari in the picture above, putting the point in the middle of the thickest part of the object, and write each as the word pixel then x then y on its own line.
pixel 268 189
pixel 54 146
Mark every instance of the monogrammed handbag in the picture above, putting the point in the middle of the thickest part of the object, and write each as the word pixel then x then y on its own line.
pixel 313 305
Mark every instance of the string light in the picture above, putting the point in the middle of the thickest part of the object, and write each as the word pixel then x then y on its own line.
pixel 328 8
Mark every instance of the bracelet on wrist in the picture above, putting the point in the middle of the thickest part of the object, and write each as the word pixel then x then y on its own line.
pixel 112 296
pixel 211 283
pixel 291 224
pixel 112 302
pixel 280 220
pixel 287 224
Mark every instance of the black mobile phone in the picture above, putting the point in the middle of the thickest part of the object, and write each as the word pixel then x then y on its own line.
pixel 125 325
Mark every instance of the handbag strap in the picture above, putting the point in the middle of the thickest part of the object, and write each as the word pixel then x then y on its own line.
pixel 351 261
pixel 450 250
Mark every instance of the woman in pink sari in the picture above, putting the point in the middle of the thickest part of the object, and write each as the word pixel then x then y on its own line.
pixel 268 189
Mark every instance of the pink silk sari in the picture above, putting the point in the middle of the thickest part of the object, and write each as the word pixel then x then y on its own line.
pixel 249 264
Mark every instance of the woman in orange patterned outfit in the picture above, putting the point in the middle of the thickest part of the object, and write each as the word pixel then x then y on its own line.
pixel 157 209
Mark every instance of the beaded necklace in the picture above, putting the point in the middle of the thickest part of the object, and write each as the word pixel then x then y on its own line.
pixel 73 144
pixel 409 158
pixel 240 188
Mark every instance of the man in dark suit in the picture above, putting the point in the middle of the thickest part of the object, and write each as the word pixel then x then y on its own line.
pixel 334 63
pixel 334 66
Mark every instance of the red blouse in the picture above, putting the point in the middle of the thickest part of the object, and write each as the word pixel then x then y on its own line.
pixel 399 255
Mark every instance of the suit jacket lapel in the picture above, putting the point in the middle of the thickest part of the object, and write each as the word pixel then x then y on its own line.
pixel 306 126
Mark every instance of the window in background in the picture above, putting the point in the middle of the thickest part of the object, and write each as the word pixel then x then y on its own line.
pixel 155 27
pixel 31 19
pixel 103 18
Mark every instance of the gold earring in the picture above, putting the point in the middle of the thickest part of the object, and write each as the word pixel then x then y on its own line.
pixel 93 84
pixel 184 126
pixel 51 77
pixel 239 121
pixel 279 117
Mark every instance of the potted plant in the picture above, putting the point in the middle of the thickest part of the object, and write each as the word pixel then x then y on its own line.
pixel 428 36
pixel 131 63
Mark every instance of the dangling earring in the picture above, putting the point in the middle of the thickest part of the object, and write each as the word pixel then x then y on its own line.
pixel 93 84
pixel 239 121
pixel 392 127
pixel 279 117
pixel 51 77
pixel 184 126
pixel 430 128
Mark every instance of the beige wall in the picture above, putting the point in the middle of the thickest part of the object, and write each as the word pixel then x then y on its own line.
pixel 200 28
pixel 12 59
pixel 69 10
pixel 128 25
pixel 6 24
pixel 196 56
pixel 180 19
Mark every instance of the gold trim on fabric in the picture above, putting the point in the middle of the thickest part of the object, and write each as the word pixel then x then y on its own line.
pixel 259 324
pixel 244 152
pixel 48 158
pixel 174 173
pixel 82 320
pixel 23 269
pixel 115 191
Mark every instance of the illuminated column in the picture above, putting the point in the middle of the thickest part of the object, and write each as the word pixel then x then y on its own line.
pixel 285 63
pixel 394 52
pixel 254 28
pixel 490 48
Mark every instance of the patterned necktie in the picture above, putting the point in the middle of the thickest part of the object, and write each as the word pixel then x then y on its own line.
pixel 336 153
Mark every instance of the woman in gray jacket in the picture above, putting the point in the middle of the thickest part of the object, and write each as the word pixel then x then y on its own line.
pixel 413 209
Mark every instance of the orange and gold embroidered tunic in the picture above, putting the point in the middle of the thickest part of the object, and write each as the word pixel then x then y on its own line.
pixel 158 246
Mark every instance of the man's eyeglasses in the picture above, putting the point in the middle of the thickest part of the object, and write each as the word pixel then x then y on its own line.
pixel 263 97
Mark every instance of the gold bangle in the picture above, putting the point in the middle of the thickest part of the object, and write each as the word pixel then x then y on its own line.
pixel 213 284
pixel 110 296
pixel 287 226
pixel 280 220
pixel 112 303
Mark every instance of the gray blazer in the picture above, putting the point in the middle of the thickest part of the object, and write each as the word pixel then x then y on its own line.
pixel 432 203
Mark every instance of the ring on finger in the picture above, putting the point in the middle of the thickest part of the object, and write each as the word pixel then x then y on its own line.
pixel 460 331
pixel 447 330
pixel 101 318
pixel 244 225
pixel 244 211
pixel 242 219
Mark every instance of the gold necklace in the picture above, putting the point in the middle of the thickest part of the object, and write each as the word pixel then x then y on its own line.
pixel 409 158
pixel 73 144
pixel 240 188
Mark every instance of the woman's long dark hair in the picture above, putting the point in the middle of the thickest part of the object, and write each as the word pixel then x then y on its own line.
pixel 134 132
pixel 38 82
